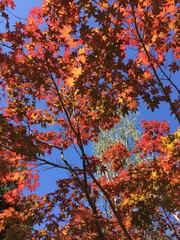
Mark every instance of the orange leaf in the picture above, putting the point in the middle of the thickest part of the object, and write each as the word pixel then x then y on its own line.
pixel 65 32
pixel 69 81
pixel 133 105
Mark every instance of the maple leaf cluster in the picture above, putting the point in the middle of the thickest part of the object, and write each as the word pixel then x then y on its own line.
pixel 67 72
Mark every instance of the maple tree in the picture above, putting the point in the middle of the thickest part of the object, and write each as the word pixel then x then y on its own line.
pixel 66 72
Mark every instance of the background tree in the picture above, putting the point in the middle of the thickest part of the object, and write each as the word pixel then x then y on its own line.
pixel 65 71
pixel 126 132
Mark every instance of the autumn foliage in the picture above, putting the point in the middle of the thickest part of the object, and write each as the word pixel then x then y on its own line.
pixel 68 70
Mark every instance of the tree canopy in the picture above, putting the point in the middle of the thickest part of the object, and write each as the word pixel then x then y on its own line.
pixel 68 71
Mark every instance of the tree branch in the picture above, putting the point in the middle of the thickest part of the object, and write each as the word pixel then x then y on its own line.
pixel 152 66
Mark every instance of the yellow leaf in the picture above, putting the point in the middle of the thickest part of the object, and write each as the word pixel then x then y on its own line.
pixel 96 30
pixel 134 196
pixel 120 100
pixel 154 174
pixel 81 51
pixel 29 57
pixel 104 38
pixel 170 146
pixel 34 116
pixel 69 81
pixel 125 201
pixel 77 71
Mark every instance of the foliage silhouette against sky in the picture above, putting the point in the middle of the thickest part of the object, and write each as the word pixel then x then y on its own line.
pixel 66 77
pixel 47 183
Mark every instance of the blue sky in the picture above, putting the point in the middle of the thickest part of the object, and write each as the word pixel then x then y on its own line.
pixel 49 176
pixel 23 7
